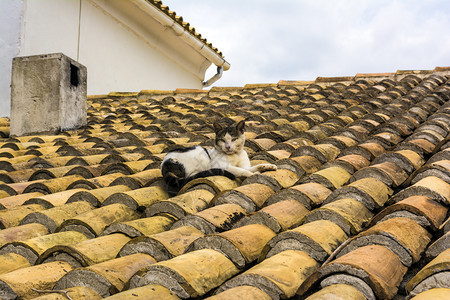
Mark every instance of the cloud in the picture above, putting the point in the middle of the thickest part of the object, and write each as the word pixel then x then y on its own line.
pixel 266 41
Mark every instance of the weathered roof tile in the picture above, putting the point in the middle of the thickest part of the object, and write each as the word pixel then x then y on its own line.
pixel 433 275
pixel 431 186
pixel 278 216
pixel 52 218
pixel 163 245
pixel 25 282
pixel 218 218
pixel 433 293
pixel 342 290
pixel 189 275
pixel 319 239
pixel 377 266
pixel 421 206
pixel 108 277
pixel 141 226
pixel 402 236
pixel 150 291
pixel 278 276
pixel 93 222
pixel 251 196
pixel 78 292
pixel 183 204
pixel 138 199
pixel 241 292
pixel 347 213
pixel 31 249
pixel 11 261
pixel 370 191
pixel 332 177
pixel 241 245
pixel 86 253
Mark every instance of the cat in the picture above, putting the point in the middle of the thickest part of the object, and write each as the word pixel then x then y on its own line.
pixel 227 158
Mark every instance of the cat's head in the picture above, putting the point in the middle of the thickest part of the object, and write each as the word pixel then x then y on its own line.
pixel 230 139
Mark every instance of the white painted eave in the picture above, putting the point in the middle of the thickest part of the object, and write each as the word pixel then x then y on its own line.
pixel 183 34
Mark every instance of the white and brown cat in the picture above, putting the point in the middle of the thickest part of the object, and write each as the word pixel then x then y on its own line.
pixel 227 158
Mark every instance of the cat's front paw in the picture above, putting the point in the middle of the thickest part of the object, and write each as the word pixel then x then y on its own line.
pixel 247 173
pixel 266 167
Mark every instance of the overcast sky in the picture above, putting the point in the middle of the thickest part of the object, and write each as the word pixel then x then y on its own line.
pixel 270 40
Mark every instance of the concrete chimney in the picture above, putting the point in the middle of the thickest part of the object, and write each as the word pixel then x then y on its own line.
pixel 48 94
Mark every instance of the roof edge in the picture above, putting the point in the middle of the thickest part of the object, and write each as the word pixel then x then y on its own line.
pixel 184 31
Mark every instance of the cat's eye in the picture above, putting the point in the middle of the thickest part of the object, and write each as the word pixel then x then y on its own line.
pixel 233 139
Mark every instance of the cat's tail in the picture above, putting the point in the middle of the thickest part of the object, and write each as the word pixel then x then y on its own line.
pixel 175 178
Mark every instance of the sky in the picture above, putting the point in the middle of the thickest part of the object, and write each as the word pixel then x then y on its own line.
pixel 270 40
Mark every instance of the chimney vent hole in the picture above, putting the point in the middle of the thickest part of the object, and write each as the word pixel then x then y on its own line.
pixel 74 72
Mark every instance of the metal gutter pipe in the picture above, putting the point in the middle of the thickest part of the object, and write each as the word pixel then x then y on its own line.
pixel 213 79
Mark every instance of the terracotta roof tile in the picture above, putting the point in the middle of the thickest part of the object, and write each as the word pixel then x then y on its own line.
pixel 344 291
pixel 347 213
pixel 433 293
pixel 433 275
pixel 24 282
pixel 31 249
pixel 370 191
pixel 319 239
pixel 52 218
pixel 218 218
pixel 141 227
pixel 13 216
pixel 108 277
pixel 89 252
pixel 241 245
pixel 93 222
pixel 21 233
pixel 402 236
pixel 138 199
pixel 152 291
pixel 309 194
pixel 163 245
pixel 180 274
pixel 241 292
pixel 78 292
pixel 278 217
pixel 365 263
pixel 96 197
pixel 278 276
pixel 429 213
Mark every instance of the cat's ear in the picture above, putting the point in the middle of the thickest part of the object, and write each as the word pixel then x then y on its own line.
pixel 241 126
pixel 217 127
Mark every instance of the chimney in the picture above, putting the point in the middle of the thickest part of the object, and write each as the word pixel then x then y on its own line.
pixel 48 94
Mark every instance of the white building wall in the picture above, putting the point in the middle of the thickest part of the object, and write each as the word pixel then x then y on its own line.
pixel 122 48
pixel 110 47
pixel 11 12
pixel 50 26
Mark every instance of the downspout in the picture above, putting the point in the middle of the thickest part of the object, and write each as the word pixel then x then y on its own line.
pixel 186 36
pixel 213 79
pixel 79 32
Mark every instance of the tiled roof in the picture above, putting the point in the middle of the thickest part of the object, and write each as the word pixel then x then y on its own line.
pixel 179 19
pixel 357 209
